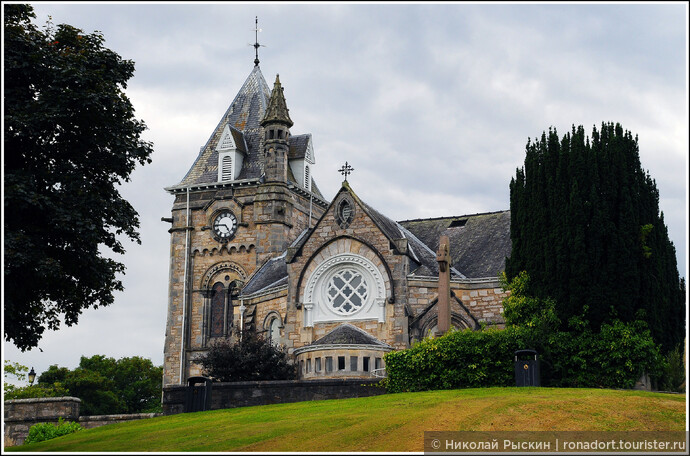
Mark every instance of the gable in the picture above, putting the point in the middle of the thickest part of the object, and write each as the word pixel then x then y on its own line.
pixel 387 235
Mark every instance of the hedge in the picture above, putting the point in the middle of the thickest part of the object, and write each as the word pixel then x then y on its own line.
pixel 614 357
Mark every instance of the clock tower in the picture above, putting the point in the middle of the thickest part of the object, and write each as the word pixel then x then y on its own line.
pixel 247 197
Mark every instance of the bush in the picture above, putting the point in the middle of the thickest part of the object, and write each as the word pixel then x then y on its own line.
pixel 614 357
pixel 46 431
pixel 458 359
pixel 673 375
pixel 252 357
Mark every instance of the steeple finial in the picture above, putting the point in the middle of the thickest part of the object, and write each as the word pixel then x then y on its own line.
pixel 345 170
pixel 256 40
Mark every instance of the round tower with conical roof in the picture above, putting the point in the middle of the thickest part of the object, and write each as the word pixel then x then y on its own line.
pixel 276 124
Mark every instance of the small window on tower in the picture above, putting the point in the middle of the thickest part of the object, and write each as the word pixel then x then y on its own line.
pixel 306 177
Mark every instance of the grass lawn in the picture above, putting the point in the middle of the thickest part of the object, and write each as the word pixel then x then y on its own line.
pixel 392 422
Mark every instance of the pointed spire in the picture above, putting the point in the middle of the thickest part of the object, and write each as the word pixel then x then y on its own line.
pixel 277 111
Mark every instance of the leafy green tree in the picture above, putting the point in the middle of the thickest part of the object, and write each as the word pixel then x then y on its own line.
pixel 586 227
pixel 107 386
pixel 252 357
pixel 19 372
pixel 96 391
pixel 522 310
pixel 70 139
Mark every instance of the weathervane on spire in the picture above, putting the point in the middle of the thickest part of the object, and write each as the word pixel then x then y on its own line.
pixel 345 170
pixel 256 41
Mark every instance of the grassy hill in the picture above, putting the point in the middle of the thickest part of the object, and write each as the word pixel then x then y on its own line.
pixel 392 422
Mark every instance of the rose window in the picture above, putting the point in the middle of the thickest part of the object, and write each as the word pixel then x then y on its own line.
pixel 347 291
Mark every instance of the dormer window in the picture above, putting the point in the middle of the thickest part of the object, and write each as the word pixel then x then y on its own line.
pixel 230 158
pixel 307 177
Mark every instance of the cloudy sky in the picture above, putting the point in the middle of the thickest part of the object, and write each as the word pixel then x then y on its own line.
pixel 431 104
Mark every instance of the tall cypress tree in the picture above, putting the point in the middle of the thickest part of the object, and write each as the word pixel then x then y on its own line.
pixel 586 226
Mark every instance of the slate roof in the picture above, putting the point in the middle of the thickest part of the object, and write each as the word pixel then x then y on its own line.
pixel 421 253
pixel 479 243
pixel 298 146
pixel 347 334
pixel 239 140
pixel 271 274
pixel 418 251
pixel 244 116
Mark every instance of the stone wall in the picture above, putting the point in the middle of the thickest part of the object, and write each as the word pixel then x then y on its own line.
pixel 483 298
pixel 21 414
pixel 243 394
pixel 93 421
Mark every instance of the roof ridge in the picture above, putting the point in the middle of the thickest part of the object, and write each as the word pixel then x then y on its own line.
pixel 453 216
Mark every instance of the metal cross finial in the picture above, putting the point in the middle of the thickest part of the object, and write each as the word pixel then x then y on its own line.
pixel 256 41
pixel 345 170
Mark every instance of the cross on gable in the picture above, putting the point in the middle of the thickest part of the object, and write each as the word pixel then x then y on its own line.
pixel 345 170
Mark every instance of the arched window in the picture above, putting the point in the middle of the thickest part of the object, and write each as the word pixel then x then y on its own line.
pixel 345 287
pixel 274 331
pixel 218 310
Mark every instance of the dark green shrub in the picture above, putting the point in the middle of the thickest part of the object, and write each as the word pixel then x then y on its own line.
pixel 615 357
pixel 46 431
pixel 459 359
pixel 252 357
pixel 673 374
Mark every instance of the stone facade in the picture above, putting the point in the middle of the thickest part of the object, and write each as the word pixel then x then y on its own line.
pixel 332 282
pixel 268 215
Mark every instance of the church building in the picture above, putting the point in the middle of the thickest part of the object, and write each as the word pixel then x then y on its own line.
pixel 255 245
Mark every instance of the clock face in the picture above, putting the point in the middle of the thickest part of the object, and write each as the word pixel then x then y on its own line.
pixel 225 225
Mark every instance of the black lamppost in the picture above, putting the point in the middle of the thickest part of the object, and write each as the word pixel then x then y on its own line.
pixel 32 376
